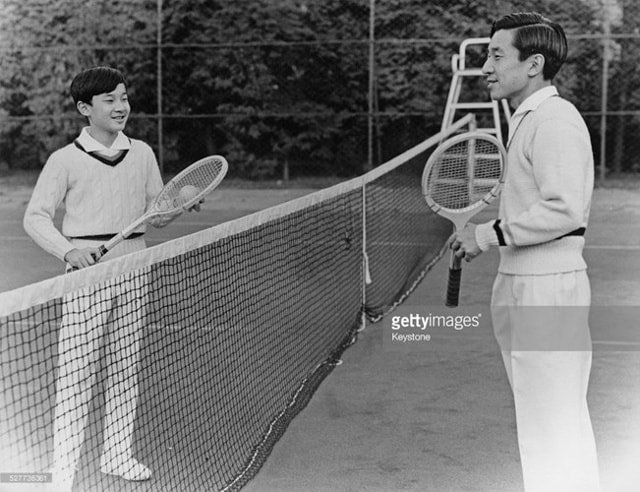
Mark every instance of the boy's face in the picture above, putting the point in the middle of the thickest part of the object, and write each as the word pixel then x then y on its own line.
pixel 507 76
pixel 108 112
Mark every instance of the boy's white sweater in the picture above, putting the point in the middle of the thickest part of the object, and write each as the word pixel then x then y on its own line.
pixel 99 199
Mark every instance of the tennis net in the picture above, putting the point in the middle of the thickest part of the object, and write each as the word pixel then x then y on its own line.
pixel 193 356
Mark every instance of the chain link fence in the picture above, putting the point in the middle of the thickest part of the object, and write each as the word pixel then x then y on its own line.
pixel 293 88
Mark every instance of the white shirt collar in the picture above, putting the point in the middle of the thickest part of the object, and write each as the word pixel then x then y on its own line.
pixel 90 144
pixel 531 103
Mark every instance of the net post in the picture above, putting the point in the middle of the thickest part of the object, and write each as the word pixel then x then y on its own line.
pixel 370 97
pixel 159 84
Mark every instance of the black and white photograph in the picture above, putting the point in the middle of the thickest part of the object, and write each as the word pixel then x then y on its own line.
pixel 319 246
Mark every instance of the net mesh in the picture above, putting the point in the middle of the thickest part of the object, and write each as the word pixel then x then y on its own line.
pixel 194 355
pixel 403 237
pixel 464 173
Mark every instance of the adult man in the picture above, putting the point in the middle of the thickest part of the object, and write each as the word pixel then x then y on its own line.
pixel 541 286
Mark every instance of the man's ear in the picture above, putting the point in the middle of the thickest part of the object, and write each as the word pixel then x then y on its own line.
pixel 536 64
pixel 83 108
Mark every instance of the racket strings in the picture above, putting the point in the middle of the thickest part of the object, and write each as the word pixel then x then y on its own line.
pixel 191 184
pixel 465 173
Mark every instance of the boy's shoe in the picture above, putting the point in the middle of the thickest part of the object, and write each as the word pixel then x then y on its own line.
pixel 127 468
pixel 61 479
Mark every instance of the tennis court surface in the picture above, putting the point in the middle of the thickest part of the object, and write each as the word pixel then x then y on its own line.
pixel 254 371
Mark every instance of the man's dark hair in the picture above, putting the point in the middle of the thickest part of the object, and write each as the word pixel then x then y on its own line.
pixel 94 81
pixel 535 34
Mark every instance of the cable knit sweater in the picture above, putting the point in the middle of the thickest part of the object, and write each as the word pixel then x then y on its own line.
pixel 548 188
pixel 99 198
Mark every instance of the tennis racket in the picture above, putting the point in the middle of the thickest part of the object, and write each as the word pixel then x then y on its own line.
pixel 182 192
pixel 462 176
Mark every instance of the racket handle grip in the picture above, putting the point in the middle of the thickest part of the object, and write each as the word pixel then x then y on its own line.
pixel 101 252
pixel 453 286
pixel 96 256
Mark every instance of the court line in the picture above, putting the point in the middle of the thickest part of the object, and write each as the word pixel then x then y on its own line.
pixel 187 328
pixel 599 247
pixel 618 247
pixel 27 238
pixel 616 344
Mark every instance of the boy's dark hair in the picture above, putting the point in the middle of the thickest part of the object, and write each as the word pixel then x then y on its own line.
pixel 535 34
pixel 94 81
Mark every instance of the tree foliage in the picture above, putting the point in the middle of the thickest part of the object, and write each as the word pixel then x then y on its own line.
pixel 278 86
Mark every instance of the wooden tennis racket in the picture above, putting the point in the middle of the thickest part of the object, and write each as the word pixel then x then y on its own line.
pixel 182 192
pixel 462 176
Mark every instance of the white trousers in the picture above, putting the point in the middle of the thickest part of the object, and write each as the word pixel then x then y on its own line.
pixel 541 324
pixel 108 316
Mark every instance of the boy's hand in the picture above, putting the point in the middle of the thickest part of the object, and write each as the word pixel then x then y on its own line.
pixel 196 207
pixel 163 220
pixel 81 257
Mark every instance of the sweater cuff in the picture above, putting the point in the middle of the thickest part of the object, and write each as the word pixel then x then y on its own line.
pixel 486 236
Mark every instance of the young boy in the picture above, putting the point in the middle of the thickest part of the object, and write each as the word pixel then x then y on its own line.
pixel 106 180
pixel 541 294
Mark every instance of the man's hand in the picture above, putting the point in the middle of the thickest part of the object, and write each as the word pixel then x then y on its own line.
pixel 464 244
pixel 81 257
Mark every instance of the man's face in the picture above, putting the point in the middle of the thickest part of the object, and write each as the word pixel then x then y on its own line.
pixel 108 112
pixel 507 76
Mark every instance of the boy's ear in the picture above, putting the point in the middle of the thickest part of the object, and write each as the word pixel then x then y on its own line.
pixel 83 108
